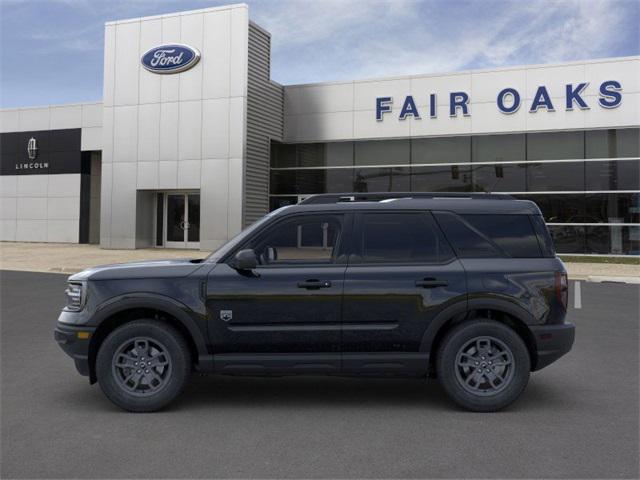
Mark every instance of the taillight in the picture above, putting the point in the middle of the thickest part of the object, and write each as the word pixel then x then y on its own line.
pixel 562 288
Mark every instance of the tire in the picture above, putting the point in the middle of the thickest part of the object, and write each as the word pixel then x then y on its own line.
pixel 476 379
pixel 143 365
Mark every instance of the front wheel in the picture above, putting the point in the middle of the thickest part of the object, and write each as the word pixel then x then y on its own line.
pixel 483 365
pixel 143 365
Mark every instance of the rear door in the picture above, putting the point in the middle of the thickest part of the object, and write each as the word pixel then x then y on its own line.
pixel 401 274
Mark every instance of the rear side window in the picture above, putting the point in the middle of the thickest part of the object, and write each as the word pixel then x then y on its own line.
pixel 486 236
pixel 512 233
pixel 402 238
pixel 544 237
pixel 467 241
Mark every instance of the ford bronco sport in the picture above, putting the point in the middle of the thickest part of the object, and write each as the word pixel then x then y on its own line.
pixel 463 287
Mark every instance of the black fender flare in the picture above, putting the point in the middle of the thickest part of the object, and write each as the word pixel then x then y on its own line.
pixel 162 303
pixel 463 307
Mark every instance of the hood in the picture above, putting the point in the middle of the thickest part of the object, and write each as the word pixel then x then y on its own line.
pixel 172 268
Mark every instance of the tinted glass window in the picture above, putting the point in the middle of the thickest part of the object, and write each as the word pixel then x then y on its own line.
pixel 304 182
pixel 447 178
pixel 613 207
pixel 544 237
pixel 613 143
pixel 304 239
pixel 499 148
pixel 381 180
pixel 555 145
pixel 499 178
pixel 311 154
pixel 382 152
pixel 544 177
pixel 560 208
pixel 512 233
pixel 468 242
pixel 613 175
pixel 441 150
pixel 402 238
pixel 283 155
pixel 568 238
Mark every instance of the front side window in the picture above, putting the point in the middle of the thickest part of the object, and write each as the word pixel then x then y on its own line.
pixel 308 239
pixel 402 238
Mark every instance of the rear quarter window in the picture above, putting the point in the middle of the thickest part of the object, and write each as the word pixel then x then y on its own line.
pixel 490 235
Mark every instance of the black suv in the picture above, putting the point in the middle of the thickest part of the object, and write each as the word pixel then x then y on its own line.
pixel 465 287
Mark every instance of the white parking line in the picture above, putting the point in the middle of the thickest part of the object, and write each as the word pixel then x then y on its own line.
pixel 577 295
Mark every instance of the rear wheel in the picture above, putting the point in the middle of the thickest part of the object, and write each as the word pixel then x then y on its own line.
pixel 143 365
pixel 483 365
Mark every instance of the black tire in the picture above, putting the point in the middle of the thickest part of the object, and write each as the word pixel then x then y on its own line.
pixel 121 365
pixel 464 352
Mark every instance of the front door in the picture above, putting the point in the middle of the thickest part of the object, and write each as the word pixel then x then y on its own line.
pixel 182 220
pixel 285 315
pixel 401 275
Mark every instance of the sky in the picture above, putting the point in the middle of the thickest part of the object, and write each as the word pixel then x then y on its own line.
pixel 51 51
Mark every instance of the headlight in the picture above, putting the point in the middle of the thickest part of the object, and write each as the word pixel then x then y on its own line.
pixel 75 294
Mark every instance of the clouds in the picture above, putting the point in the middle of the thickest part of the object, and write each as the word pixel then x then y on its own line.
pixel 321 40
pixel 357 39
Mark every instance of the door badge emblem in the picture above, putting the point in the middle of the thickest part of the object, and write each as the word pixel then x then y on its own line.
pixel 226 315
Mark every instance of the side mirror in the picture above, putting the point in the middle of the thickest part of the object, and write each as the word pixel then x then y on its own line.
pixel 245 260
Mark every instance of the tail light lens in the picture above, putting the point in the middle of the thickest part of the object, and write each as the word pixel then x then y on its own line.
pixel 562 288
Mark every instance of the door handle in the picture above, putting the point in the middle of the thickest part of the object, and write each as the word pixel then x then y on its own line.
pixel 431 283
pixel 314 284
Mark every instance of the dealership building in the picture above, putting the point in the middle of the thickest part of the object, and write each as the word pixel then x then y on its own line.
pixel 193 141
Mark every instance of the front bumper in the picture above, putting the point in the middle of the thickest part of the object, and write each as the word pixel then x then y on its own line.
pixel 74 340
pixel 552 342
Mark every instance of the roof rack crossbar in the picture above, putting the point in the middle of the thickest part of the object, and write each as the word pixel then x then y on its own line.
pixel 378 196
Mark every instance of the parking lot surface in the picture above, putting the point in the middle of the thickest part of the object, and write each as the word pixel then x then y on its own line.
pixel 578 418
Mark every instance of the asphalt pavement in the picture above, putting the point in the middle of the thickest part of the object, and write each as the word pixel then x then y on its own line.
pixel 578 418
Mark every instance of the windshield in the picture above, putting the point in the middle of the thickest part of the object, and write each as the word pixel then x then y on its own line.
pixel 239 238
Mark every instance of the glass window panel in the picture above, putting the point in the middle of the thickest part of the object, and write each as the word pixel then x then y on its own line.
pixel 468 243
pixel 613 207
pixel 304 182
pixel 278 202
pixel 513 233
pixel 339 154
pixel 559 208
pixel 613 240
pixel 415 239
pixel 568 239
pixel 441 150
pixel 452 178
pixel 499 148
pixel 555 145
pixel 613 175
pixel 382 152
pixel 613 143
pixel 310 155
pixel 304 239
pixel 499 178
pixel 283 155
pixel 544 177
pixel 397 179
pixel 193 234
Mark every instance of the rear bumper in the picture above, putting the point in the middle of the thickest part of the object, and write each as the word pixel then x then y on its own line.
pixel 73 342
pixel 552 342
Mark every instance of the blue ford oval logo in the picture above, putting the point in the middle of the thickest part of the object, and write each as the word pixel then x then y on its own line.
pixel 172 58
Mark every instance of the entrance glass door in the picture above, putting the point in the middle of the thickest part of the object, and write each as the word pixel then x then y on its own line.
pixel 182 220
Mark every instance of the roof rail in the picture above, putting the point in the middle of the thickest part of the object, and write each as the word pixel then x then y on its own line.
pixel 379 196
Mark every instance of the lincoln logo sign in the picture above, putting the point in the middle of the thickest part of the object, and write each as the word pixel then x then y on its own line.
pixel 508 101
pixel 172 58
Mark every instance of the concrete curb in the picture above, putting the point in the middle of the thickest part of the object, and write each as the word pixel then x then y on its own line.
pixel 616 279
